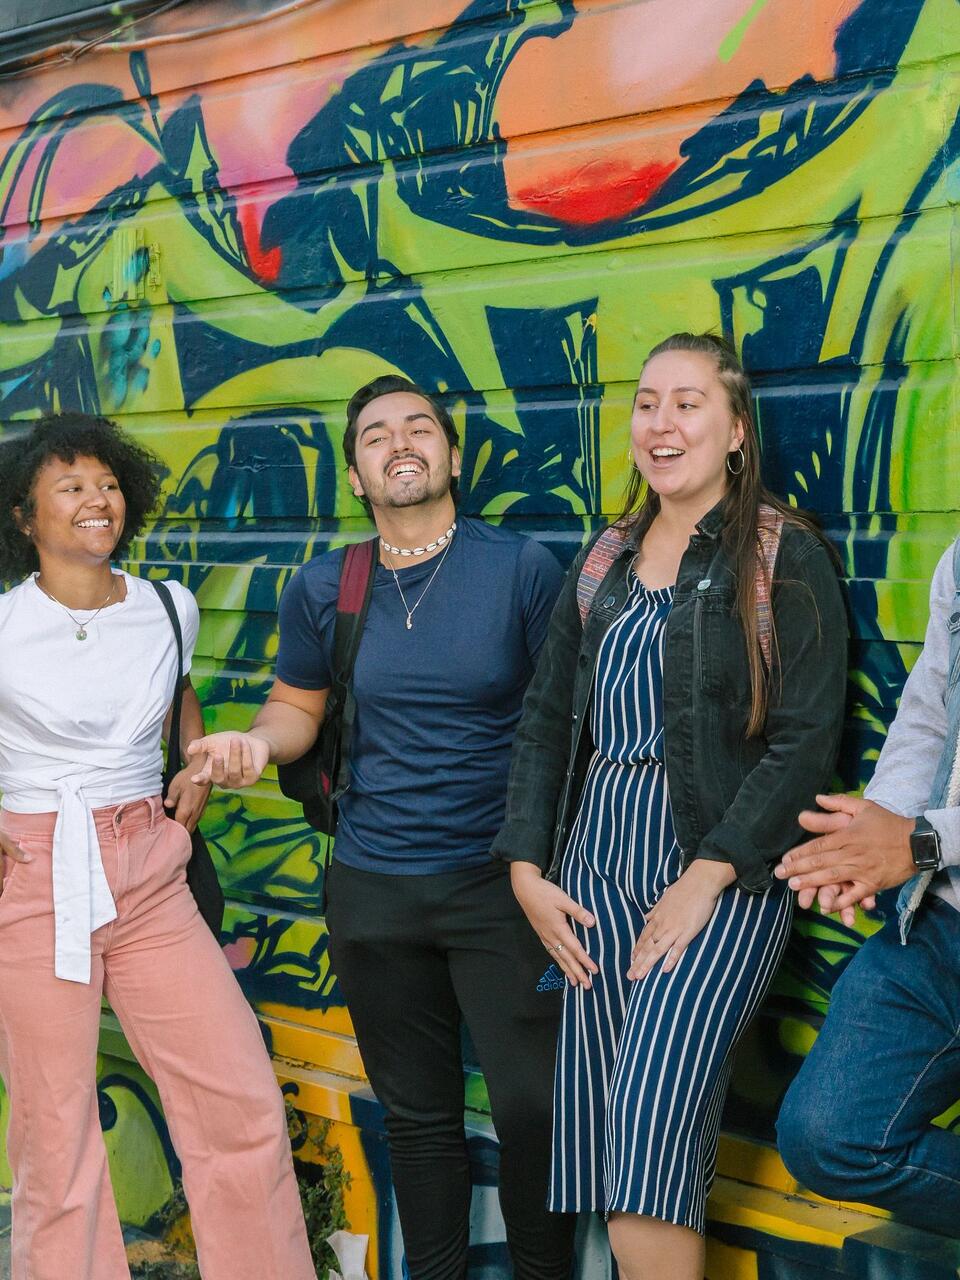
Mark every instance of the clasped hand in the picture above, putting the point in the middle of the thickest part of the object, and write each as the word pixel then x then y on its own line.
pixel 230 759
pixel 860 849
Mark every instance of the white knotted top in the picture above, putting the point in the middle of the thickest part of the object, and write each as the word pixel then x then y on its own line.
pixel 80 728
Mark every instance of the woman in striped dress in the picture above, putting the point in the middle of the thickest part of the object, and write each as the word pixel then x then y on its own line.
pixel 657 774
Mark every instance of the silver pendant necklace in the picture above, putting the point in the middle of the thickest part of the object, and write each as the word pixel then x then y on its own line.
pixel 411 611
pixel 81 631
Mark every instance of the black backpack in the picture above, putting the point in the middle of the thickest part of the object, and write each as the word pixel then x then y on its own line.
pixel 201 873
pixel 320 777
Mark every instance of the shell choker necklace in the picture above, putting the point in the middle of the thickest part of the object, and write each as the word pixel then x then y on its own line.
pixel 420 551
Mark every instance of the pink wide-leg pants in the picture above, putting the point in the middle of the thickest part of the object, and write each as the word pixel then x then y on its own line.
pixel 192 1030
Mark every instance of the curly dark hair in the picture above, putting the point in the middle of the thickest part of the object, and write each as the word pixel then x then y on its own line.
pixel 24 453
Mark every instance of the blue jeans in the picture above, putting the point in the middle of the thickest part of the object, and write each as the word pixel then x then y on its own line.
pixel 855 1124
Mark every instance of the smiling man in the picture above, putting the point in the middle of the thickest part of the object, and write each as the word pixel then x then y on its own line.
pixel 424 929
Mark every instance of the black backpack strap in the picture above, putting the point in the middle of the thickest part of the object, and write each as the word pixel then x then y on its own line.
pixel 200 871
pixel 357 575
pixel 322 774
pixel 172 765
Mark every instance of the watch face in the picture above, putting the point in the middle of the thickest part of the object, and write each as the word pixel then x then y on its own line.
pixel 925 847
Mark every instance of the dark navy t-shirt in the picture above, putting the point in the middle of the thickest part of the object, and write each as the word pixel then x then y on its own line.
pixel 437 705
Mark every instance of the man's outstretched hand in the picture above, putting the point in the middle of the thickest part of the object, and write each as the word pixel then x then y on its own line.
pixel 230 759
pixel 860 849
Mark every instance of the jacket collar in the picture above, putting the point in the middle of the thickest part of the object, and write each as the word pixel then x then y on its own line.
pixel 711 524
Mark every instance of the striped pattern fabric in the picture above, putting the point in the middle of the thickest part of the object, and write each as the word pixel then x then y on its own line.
pixel 642 1067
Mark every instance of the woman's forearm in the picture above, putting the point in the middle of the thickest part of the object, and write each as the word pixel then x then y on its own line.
pixel 191 717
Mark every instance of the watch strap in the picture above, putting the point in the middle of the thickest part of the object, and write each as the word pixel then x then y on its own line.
pixel 925 845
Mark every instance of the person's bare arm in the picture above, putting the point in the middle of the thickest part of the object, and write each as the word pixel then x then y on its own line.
pixel 285 729
pixel 187 798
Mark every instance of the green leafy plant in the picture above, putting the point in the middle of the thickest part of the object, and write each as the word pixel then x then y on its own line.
pixel 165 1269
pixel 322 1180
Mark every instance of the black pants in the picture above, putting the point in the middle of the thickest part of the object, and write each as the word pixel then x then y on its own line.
pixel 413 955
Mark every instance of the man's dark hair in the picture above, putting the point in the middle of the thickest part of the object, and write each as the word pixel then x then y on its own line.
pixel 386 385
pixel 68 436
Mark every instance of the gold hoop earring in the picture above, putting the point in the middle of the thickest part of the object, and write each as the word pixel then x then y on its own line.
pixel 743 462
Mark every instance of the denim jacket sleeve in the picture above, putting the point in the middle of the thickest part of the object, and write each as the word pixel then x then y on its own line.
pixel 804 720
pixel 541 746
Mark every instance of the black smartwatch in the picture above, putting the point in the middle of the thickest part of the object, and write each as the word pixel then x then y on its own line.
pixel 925 846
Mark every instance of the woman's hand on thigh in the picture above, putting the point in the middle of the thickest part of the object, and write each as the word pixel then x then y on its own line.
pixel 187 798
pixel 684 909
pixel 10 848
pixel 549 911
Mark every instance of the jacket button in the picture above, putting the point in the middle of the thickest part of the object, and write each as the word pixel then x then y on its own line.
pixel 703 584
pixel 954 619
pixel 610 602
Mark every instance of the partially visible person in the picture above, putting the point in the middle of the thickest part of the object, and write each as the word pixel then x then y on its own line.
pixel 856 1123
pixel 424 931
pixel 94 898
pixel 654 784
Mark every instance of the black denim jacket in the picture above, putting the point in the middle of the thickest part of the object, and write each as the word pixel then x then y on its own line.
pixel 734 799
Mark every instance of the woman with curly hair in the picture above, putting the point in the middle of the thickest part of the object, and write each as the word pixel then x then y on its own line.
pixel 94 897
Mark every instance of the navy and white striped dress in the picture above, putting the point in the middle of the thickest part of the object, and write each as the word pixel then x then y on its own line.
pixel 642 1067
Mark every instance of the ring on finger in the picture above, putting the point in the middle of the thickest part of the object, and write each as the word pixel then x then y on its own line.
pixel 558 948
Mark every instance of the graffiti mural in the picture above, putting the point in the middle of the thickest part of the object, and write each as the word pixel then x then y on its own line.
pixel 217 221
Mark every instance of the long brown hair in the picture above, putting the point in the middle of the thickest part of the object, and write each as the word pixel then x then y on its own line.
pixel 745 493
